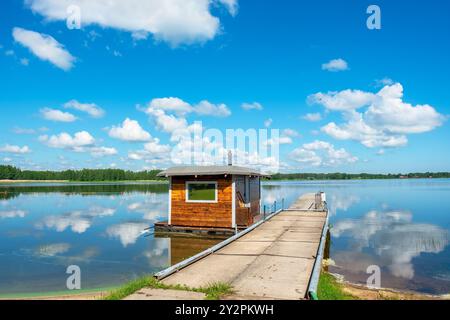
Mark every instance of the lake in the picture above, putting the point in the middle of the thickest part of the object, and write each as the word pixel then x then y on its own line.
pixel 402 226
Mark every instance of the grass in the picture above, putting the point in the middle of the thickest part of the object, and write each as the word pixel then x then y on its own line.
pixel 330 289
pixel 213 291
pixel 130 288
pixel 217 290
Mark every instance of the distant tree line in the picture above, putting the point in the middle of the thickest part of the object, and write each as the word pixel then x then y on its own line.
pixel 358 176
pixel 101 189
pixel 13 173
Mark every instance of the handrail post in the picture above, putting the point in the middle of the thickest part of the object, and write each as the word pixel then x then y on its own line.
pixel 282 204
pixel 264 212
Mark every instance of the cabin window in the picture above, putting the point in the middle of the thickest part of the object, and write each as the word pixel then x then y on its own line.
pixel 201 192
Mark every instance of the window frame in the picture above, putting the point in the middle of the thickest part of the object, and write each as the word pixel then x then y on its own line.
pixel 215 183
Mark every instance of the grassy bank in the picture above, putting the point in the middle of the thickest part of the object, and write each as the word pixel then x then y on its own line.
pixel 330 289
pixel 213 292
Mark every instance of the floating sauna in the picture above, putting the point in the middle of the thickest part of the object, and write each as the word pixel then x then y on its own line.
pixel 212 198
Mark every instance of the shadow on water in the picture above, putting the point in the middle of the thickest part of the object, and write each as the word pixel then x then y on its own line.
pixel 184 247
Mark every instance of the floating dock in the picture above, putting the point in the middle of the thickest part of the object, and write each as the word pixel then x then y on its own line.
pixel 279 258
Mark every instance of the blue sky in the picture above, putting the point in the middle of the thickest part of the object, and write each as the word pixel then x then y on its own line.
pixel 379 98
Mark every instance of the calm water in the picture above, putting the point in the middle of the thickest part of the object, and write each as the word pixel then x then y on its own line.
pixel 401 226
pixel 45 229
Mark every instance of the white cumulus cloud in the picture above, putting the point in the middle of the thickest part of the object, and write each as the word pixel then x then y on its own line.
pixel 102 151
pixel 45 47
pixel 206 108
pixel 173 21
pixel 312 117
pixel 231 5
pixel 335 65
pixel 81 142
pixel 129 130
pixel 90 108
pixel 15 149
pixel 385 121
pixel 344 100
pixel 170 114
pixel 252 106
pixel 291 133
pixel 182 108
pixel 57 115
pixel 171 104
pixel 321 153
pixel 153 150
pixel 66 141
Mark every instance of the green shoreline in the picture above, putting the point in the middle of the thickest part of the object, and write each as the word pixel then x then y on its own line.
pixel 12 173
pixel 3 182
pixel 329 289
pixel 55 294
pixel 15 182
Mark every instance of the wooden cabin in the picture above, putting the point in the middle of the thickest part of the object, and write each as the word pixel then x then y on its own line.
pixel 212 198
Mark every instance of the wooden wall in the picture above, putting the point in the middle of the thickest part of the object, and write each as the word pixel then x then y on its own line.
pixel 217 215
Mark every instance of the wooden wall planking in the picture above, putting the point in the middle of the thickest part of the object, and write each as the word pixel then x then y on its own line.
pixel 217 215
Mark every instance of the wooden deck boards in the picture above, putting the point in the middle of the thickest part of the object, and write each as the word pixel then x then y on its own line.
pixel 274 261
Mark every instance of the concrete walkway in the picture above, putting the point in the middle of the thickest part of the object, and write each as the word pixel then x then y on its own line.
pixel 274 261
pixel 160 294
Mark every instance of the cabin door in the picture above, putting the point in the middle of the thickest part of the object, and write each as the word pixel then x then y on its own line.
pixel 243 217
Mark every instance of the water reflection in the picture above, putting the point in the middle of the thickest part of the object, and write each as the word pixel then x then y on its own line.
pixel 152 208
pixel 12 214
pixel 290 191
pixel 341 202
pixel 393 237
pixel 52 250
pixel 127 232
pixel 77 221
pixel 101 229
pixel 410 245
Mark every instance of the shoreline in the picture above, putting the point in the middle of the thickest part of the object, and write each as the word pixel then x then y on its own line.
pixel 78 182
pixel 362 292
pixel 8 181
pixel 352 290
pixel 88 294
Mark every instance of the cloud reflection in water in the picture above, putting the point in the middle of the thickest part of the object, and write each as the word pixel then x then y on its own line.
pixel 394 238
pixel 127 232
pixel 77 221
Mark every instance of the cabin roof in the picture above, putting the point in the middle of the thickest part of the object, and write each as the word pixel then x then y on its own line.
pixel 210 171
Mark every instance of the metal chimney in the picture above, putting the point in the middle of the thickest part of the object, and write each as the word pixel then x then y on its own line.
pixel 230 158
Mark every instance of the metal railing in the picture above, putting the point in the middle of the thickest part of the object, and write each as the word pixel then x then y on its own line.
pixel 273 208
pixel 175 268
